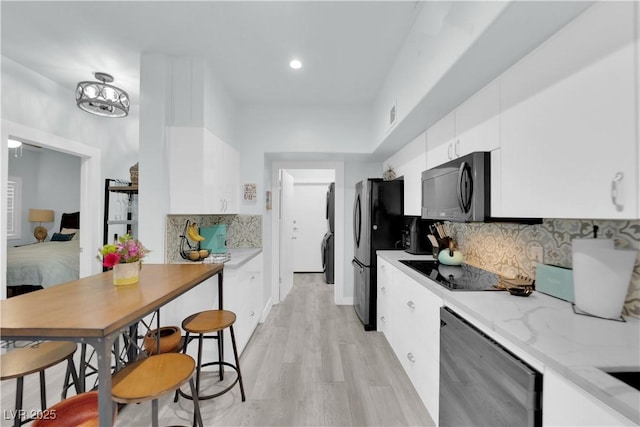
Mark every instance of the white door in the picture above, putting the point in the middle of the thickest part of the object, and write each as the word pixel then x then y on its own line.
pixel 286 234
pixel 309 209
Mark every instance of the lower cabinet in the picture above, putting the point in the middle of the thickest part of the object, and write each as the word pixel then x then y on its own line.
pixel 243 296
pixel 564 404
pixel 412 327
pixel 384 283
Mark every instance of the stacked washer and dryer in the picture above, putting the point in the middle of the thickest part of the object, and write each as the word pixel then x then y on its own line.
pixel 328 241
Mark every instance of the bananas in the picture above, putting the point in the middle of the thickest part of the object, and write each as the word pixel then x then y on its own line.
pixel 192 233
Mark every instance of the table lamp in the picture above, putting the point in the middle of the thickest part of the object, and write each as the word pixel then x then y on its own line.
pixel 40 216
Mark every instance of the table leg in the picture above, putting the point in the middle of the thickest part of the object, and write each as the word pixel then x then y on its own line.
pixel 105 403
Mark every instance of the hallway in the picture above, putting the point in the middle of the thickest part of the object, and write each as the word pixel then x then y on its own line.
pixel 312 364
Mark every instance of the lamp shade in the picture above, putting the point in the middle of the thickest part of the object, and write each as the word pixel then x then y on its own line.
pixel 40 215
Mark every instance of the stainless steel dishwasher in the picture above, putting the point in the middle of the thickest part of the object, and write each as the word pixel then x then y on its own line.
pixel 482 383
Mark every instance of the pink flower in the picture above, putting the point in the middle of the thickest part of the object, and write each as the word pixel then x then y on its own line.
pixel 111 259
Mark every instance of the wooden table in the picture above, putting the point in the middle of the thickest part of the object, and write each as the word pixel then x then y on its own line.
pixel 93 310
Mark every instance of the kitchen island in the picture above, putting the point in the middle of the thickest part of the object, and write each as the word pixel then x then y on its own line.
pixel 570 350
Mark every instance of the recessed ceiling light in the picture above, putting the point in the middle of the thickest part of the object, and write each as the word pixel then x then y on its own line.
pixel 295 64
pixel 14 143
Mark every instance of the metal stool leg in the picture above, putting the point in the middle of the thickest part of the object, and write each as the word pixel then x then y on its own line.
pixel 220 355
pixel 70 374
pixel 17 421
pixel 154 413
pixel 184 351
pixel 197 416
pixel 43 391
pixel 199 365
pixel 235 355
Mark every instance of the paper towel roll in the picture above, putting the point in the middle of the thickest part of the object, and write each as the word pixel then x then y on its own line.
pixel 601 276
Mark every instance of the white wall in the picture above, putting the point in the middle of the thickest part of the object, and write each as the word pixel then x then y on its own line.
pixel 43 112
pixel 273 130
pixel 50 180
pixel 266 134
pixel 441 34
pixel 32 100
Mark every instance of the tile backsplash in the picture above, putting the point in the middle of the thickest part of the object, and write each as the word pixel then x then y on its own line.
pixel 243 231
pixel 505 248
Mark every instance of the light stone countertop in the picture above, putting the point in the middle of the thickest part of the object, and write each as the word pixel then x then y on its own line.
pixel 546 333
pixel 239 257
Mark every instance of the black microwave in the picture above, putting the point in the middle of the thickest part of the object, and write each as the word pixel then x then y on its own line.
pixel 458 190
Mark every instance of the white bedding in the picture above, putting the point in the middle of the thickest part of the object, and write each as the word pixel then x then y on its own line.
pixel 45 264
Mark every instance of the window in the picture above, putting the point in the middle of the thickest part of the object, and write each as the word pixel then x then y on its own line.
pixel 14 208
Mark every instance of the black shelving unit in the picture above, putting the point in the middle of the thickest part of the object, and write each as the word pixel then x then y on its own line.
pixel 117 186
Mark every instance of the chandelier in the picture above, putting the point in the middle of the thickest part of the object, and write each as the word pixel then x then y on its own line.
pixel 101 98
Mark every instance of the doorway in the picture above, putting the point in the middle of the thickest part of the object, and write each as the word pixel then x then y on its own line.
pixel 284 235
pixel 90 197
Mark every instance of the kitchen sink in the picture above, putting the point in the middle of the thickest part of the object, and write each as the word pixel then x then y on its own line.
pixel 631 378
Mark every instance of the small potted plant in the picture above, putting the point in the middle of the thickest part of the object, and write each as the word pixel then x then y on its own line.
pixel 125 257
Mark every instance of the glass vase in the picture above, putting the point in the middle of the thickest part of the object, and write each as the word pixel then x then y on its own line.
pixel 126 274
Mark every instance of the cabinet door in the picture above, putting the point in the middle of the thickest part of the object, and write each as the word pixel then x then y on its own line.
pixel 569 121
pixel 477 122
pixel 409 162
pixel 416 336
pixel 231 179
pixel 567 405
pixel 243 295
pixel 384 284
pixel 215 184
pixel 186 171
pixel 440 138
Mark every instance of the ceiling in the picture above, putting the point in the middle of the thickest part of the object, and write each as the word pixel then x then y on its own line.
pixel 347 48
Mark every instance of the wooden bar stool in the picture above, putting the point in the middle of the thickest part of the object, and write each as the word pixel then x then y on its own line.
pixel 147 379
pixel 78 410
pixel 205 322
pixel 36 358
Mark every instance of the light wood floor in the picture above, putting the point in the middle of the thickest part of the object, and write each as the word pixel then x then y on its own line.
pixel 310 364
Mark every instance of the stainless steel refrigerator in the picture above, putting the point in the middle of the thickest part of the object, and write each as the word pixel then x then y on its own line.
pixel 377 225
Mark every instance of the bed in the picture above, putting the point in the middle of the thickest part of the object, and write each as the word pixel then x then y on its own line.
pixel 40 265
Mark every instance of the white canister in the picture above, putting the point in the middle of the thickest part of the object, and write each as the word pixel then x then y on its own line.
pixel 601 276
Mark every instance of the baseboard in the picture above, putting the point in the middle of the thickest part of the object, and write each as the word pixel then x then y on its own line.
pixel 266 311
pixel 344 301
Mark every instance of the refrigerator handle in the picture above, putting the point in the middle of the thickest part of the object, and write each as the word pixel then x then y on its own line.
pixel 357 265
pixel 357 221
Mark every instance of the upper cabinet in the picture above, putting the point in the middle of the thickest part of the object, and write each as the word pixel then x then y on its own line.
pixel 203 173
pixel 569 121
pixel 473 126
pixel 409 163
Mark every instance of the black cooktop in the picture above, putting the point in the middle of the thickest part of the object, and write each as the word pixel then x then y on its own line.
pixel 456 278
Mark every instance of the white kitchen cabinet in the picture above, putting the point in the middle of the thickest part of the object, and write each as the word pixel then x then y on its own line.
pixel 243 295
pixel 567 405
pixel 569 121
pixel 478 122
pixel 440 139
pixel 385 285
pixel 224 164
pixel 409 162
pixel 413 331
pixel 473 126
pixel 203 173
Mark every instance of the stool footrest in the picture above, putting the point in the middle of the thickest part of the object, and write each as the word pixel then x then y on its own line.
pixel 219 393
